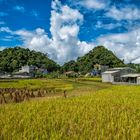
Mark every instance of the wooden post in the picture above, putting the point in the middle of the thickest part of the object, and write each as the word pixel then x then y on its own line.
pixel 65 95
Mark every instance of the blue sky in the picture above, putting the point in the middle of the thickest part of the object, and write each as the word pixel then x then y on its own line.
pixel 67 29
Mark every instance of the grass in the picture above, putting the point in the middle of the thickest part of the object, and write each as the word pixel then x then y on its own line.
pixel 107 112
pixel 33 83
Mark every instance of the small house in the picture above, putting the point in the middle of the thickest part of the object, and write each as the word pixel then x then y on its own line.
pixel 25 72
pixel 115 74
pixel 28 69
pixel 110 76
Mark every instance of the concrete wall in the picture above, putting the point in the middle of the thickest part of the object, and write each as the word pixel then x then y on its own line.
pixel 25 69
pixel 138 80
pixel 107 78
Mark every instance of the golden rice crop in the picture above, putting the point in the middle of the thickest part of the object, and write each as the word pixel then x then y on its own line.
pixel 111 113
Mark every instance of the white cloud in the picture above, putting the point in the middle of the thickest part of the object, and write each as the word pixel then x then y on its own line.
pixel 125 45
pixel 65 32
pixel 23 33
pixel 65 26
pixel 64 44
pixel 2 48
pixel 93 4
pixel 19 8
pixel 5 29
pixel 107 26
pixel 36 40
pixel 124 13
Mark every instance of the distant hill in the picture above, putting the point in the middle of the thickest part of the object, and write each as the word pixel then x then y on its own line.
pixel 11 59
pixel 99 55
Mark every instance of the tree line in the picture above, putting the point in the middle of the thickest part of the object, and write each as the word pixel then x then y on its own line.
pixel 11 59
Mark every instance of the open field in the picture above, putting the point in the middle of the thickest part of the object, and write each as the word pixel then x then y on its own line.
pixel 93 110
pixel 21 90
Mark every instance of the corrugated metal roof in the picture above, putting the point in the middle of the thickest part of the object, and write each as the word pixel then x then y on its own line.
pixel 110 72
pixel 131 75
pixel 120 68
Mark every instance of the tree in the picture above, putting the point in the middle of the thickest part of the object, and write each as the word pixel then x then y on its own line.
pixel 70 66
pixel 99 55
pixel 14 58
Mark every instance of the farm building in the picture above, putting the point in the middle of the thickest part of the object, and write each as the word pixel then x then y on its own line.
pixel 28 69
pixel 131 78
pixel 25 72
pixel 119 75
pixel 109 76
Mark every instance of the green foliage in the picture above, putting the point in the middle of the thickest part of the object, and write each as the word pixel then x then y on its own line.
pixel 54 74
pixel 70 66
pixel 99 55
pixel 14 58
pixel 134 66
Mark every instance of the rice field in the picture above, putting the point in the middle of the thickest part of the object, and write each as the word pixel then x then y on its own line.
pixel 99 112
pixel 21 90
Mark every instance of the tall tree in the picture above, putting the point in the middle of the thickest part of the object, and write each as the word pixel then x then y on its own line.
pixel 13 58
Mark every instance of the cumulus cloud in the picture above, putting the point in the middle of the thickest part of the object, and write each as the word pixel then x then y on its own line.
pixel 125 45
pixel 37 40
pixel 64 43
pixel 5 29
pixel 124 13
pixel 65 26
pixel 107 26
pixel 93 4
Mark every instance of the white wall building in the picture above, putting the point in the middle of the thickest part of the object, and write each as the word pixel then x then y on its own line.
pixel 124 74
